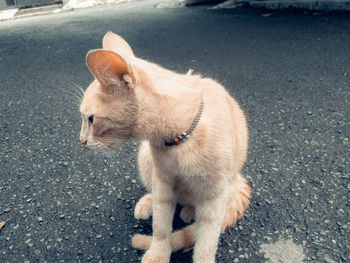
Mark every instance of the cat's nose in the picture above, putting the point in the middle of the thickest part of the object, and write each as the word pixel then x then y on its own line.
pixel 83 141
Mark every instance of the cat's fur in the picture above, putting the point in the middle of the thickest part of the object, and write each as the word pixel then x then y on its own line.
pixel 133 98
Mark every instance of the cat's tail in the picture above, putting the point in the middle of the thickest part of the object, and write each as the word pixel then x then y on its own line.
pixel 181 239
pixel 238 203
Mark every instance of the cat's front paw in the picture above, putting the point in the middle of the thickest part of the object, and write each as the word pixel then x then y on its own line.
pixel 150 257
pixel 143 208
pixel 154 259
pixel 159 252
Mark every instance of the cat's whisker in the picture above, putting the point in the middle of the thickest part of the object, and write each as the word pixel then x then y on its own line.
pixel 75 100
pixel 75 91
pixel 109 156
pixel 75 104
pixel 80 90
pixel 105 150
pixel 76 96
pixel 74 85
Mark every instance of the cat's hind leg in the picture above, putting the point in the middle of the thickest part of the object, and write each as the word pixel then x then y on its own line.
pixel 187 213
pixel 238 202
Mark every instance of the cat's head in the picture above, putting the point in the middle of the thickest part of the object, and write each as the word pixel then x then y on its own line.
pixel 108 108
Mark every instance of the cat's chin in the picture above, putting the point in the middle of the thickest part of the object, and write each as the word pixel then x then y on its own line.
pixel 110 147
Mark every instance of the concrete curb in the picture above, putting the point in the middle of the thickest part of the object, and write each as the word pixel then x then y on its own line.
pixel 330 5
pixel 326 5
pixel 8 14
pixel 80 4
pixel 67 6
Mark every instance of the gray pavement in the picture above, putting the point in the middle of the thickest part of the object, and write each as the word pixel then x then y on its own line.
pixel 290 73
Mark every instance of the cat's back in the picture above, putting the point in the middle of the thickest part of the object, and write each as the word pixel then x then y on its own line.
pixel 226 118
pixel 220 101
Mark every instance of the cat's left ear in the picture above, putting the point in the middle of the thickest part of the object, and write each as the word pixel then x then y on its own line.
pixel 111 70
pixel 117 44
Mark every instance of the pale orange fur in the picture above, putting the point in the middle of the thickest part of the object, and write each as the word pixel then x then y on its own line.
pixel 133 98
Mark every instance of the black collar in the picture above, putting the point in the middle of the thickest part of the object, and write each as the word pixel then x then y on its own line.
pixel 187 134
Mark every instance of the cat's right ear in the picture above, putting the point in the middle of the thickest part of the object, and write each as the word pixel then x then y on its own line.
pixel 111 70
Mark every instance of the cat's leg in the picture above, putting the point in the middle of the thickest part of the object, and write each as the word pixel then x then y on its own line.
pixel 143 208
pixel 145 164
pixel 209 219
pixel 187 213
pixel 163 204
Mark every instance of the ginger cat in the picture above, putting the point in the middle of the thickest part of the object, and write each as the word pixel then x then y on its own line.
pixel 194 141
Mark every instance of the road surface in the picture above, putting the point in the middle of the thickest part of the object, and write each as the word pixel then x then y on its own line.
pixel 289 71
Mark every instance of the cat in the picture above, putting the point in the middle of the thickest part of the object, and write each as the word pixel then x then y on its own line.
pixel 194 141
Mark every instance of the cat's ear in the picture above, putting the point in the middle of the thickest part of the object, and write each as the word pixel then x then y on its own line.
pixel 111 70
pixel 117 44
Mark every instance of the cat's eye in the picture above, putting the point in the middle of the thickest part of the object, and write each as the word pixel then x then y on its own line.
pixel 91 118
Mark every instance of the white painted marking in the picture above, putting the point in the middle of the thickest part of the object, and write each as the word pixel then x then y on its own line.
pixel 283 251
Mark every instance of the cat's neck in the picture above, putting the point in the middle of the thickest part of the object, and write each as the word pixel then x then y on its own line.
pixel 165 114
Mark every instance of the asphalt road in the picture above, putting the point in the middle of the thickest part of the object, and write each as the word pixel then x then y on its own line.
pixel 289 71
